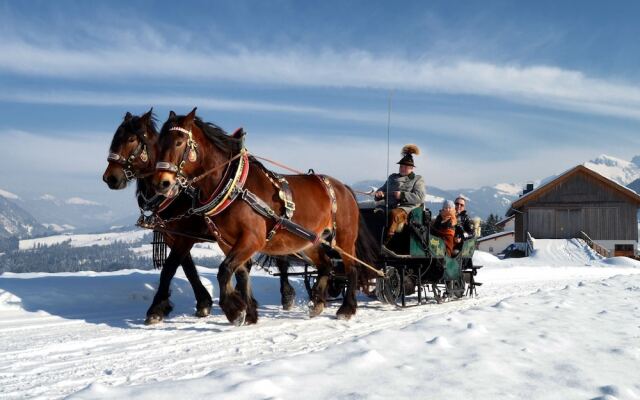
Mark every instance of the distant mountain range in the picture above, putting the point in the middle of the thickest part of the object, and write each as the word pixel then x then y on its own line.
pixel 480 202
pixel 15 221
pixel 25 217
pixel 497 198
pixel 45 214
pixel 71 214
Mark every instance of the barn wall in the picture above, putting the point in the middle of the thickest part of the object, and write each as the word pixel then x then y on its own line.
pixel 581 203
pixel 520 228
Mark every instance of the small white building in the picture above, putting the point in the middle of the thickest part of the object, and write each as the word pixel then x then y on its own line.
pixel 497 242
pixel 508 224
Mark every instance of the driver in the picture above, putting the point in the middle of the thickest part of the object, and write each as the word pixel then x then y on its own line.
pixel 406 189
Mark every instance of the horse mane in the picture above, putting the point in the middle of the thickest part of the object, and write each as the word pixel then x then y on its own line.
pixel 132 126
pixel 221 139
pixel 260 165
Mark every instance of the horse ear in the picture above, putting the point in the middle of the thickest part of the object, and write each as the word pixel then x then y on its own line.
pixel 188 120
pixel 147 116
pixel 172 115
pixel 128 116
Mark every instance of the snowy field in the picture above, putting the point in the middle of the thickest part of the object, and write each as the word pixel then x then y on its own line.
pixel 84 240
pixel 562 324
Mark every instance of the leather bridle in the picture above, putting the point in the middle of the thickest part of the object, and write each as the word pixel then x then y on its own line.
pixel 190 153
pixel 127 163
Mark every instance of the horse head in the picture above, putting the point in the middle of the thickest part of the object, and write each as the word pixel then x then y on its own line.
pixel 396 223
pixel 132 151
pixel 189 147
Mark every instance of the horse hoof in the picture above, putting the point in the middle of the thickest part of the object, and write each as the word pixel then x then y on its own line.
pixel 203 312
pixel 153 319
pixel 239 321
pixel 287 303
pixel 343 317
pixel 345 313
pixel 315 310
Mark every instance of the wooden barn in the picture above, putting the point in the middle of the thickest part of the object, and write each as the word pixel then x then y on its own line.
pixel 577 203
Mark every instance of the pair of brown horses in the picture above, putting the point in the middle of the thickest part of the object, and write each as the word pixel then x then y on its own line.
pixel 192 156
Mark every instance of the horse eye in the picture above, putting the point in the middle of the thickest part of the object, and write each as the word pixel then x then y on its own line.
pixel 132 139
pixel 179 143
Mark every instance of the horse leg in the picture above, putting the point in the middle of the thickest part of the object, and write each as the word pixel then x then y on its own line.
pixel 243 285
pixel 161 306
pixel 231 302
pixel 319 290
pixel 203 298
pixel 287 292
pixel 349 303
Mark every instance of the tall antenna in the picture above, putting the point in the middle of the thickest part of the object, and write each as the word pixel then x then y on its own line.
pixel 386 210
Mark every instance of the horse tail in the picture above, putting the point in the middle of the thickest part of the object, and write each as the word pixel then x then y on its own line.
pixel 367 247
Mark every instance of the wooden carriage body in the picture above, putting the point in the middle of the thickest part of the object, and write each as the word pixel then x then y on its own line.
pixel 415 261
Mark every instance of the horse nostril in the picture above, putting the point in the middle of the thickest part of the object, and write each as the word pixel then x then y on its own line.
pixel 110 180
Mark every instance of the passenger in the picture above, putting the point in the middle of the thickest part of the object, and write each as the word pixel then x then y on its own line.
pixel 406 192
pixel 445 225
pixel 464 228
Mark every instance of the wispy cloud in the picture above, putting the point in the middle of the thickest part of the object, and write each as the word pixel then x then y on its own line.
pixel 454 126
pixel 54 156
pixel 542 86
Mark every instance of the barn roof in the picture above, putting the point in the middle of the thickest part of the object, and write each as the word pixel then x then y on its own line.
pixel 504 221
pixel 579 169
pixel 495 235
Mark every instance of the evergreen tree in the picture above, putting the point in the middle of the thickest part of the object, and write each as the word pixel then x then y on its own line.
pixel 490 225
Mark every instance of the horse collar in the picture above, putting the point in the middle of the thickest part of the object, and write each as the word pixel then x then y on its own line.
pixel 226 192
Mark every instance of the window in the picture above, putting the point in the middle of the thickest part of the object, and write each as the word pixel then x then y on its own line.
pixel 624 250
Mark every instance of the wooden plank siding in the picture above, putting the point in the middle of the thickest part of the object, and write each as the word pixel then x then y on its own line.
pixel 578 203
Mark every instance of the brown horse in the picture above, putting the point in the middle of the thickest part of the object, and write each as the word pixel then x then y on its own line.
pixel 133 152
pixel 132 155
pixel 396 223
pixel 242 202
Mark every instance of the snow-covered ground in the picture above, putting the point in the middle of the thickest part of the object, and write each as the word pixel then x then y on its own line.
pixel 545 327
pixel 78 240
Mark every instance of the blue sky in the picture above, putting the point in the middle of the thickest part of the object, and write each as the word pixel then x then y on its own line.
pixel 491 91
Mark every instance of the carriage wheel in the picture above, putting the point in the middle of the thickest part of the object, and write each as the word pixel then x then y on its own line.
pixel 380 284
pixel 392 288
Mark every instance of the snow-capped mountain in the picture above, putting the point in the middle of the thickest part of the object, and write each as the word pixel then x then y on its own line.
pixel 635 185
pixel 491 199
pixel 68 214
pixel 480 202
pixel 9 195
pixel 497 198
pixel 16 222
pixel 622 171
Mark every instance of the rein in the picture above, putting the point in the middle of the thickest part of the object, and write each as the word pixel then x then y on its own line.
pixel 295 171
pixel 234 189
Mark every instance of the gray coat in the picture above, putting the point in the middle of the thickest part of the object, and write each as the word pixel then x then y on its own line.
pixel 411 187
